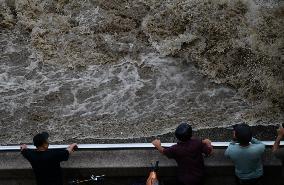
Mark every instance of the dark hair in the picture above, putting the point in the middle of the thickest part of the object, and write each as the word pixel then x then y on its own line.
pixel 243 133
pixel 40 139
pixel 183 132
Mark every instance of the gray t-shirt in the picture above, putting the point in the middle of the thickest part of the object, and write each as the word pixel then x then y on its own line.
pixel 247 160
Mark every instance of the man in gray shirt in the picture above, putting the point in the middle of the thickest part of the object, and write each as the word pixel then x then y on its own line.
pixel 246 155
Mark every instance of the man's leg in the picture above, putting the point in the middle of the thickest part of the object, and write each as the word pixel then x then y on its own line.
pixel 258 181
pixel 179 183
pixel 238 181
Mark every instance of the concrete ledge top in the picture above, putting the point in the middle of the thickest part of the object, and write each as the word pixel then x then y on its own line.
pixel 120 146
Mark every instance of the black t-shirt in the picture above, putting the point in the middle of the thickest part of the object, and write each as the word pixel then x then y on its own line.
pixel 46 165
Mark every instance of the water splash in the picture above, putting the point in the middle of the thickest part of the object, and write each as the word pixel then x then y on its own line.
pixel 101 69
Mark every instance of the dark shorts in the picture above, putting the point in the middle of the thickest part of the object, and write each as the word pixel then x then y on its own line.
pixel 256 181
pixel 180 183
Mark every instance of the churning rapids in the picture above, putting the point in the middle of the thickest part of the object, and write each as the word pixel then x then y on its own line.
pixel 100 69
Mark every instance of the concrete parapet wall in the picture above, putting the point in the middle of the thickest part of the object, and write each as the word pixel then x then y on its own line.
pixel 125 164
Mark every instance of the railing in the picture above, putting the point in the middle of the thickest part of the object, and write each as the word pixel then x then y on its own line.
pixel 120 146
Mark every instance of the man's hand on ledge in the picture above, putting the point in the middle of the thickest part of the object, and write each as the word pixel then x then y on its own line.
pixel 71 148
pixel 209 144
pixel 23 147
pixel 157 144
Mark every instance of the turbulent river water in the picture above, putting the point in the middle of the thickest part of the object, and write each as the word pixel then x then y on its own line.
pixel 136 68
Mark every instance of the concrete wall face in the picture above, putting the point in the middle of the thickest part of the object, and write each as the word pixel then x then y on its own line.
pixel 127 166
pixel 216 176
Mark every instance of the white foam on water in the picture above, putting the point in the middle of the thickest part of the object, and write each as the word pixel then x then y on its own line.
pixel 115 92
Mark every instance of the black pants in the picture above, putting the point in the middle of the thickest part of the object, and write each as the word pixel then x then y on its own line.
pixel 256 181
pixel 180 183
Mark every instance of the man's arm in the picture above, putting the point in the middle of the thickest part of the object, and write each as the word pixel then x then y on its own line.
pixel 63 155
pixel 232 143
pixel 256 141
pixel 276 144
pixel 280 134
pixel 157 144
pixel 259 146
pixel 230 148
pixel 24 150
pixel 169 152
pixel 208 149
pixel 227 152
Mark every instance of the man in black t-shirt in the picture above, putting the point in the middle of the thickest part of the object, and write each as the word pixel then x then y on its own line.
pixel 188 153
pixel 45 162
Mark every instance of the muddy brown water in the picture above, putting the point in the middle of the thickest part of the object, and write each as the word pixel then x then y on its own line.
pixel 90 71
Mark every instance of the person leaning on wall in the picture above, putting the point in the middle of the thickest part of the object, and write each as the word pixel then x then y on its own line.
pixel 46 162
pixel 277 151
pixel 188 153
pixel 246 153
